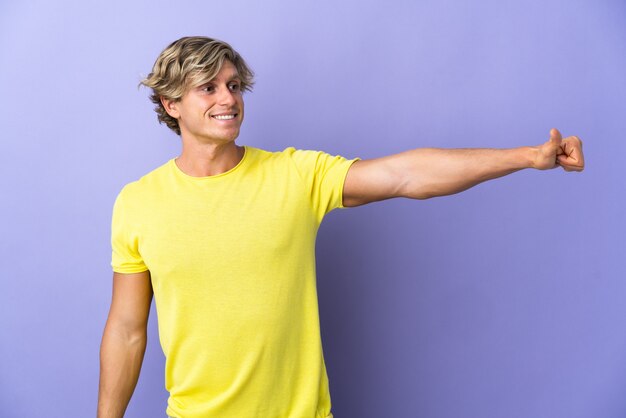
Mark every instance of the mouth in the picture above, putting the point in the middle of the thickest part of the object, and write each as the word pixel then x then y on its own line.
pixel 225 116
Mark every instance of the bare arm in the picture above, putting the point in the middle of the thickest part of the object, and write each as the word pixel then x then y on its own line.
pixel 124 342
pixel 429 172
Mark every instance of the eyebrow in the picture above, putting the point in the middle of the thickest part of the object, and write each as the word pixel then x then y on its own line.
pixel 231 78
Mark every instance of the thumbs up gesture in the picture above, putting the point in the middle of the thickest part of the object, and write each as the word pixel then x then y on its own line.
pixel 567 153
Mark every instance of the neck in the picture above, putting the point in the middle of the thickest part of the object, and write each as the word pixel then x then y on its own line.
pixel 202 160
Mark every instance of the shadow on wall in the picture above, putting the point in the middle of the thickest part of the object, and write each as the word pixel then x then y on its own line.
pixel 358 288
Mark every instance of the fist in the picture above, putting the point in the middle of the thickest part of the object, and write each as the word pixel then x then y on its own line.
pixel 567 153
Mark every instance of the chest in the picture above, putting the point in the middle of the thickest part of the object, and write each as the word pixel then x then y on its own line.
pixel 244 226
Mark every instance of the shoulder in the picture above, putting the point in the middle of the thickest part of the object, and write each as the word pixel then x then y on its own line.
pixel 146 184
pixel 307 160
pixel 286 157
pixel 259 153
pixel 301 157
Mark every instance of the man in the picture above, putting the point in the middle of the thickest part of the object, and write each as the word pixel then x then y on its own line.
pixel 224 238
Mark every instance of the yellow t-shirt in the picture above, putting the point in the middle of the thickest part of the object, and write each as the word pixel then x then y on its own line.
pixel 232 263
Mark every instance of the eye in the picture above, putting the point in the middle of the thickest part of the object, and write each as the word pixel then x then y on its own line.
pixel 234 86
pixel 208 88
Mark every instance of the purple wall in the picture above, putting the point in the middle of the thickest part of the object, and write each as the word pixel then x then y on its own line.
pixel 505 301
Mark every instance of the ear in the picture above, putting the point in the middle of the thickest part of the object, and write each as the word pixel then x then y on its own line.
pixel 170 107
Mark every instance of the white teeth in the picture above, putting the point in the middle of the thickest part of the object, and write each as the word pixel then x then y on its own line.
pixel 224 117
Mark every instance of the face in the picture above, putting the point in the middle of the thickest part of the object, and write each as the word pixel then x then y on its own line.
pixel 213 112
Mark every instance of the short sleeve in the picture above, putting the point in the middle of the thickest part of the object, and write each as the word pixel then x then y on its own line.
pixel 323 175
pixel 125 256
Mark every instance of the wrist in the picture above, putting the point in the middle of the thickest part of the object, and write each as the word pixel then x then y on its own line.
pixel 530 158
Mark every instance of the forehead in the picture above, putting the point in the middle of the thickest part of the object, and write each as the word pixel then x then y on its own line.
pixel 228 70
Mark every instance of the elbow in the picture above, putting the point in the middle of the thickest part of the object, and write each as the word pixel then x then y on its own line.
pixel 429 188
pixel 418 195
pixel 412 189
pixel 127 334
pixel 422 196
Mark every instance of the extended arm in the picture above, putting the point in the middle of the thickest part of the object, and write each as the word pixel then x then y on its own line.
pixel 429 172
pixel 124 342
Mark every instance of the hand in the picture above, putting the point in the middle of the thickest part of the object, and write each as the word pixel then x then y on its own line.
pixel 567 153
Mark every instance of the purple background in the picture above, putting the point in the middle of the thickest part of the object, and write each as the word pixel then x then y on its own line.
pixel 505 301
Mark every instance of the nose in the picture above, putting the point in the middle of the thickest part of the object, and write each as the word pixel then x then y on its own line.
pixel 226 97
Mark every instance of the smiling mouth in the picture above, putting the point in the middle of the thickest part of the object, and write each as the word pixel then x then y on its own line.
pixel 225 117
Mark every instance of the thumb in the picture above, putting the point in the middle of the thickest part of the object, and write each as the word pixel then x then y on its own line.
pixel 555 136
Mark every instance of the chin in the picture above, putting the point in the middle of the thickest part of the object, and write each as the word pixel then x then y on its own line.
pixel 229 139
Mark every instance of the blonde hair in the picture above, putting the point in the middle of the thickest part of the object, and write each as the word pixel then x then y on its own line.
pixel 188 63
